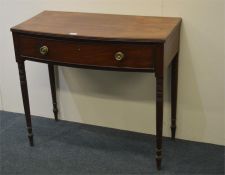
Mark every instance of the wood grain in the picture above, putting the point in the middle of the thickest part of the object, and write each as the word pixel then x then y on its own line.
pixel 88 53
pixel 98 26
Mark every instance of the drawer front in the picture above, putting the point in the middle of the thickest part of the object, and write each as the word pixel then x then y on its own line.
pixel 92 53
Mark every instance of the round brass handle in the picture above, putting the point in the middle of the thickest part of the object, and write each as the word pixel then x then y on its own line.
pixel 44 50
pixel 119 56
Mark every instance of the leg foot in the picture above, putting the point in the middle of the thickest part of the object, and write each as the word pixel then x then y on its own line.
pixel 158 163
pixel 30 136
pixel 158 158
pixel 55 111
pixel 173 132
pixel 31 140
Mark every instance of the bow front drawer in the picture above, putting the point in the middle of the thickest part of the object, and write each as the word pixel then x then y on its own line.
pixel 88 53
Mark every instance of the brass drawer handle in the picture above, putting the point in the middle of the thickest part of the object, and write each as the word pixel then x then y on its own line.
pixel 119 56
pixel 44 50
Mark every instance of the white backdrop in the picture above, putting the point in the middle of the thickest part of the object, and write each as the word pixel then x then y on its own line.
pixel 126 100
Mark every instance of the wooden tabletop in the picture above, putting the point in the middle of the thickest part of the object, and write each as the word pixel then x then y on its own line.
pixel 100 26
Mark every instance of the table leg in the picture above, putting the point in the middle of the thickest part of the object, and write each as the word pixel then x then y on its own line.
pixel 159 120
pixel 24 90
pixel 174 77
pixel 53 89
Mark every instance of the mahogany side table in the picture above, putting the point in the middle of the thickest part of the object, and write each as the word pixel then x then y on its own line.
pixel 101 41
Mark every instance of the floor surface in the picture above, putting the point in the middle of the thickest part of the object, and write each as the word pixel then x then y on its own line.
pixel 66 148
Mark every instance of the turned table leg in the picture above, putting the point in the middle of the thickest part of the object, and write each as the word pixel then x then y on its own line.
pixel 159 120
pixel 174 77
pixel 53 89
pixel 23 83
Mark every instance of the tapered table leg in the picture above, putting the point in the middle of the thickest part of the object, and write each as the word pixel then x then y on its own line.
pixel 159 120
pixel 53 89
pixel 174 77
pixel 23 83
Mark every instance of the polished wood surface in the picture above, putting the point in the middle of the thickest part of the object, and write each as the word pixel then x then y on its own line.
pixel 100 26
pixel 87 40
pixel 139 56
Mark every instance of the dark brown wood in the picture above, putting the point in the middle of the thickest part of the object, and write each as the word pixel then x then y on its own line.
pixel 159 103
pixel 174 84
pixel 53 89
pixel 24 90
pixel 100 54
pixel 159 120
pixel 89 40
pixel 100 26
pixel 95 67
